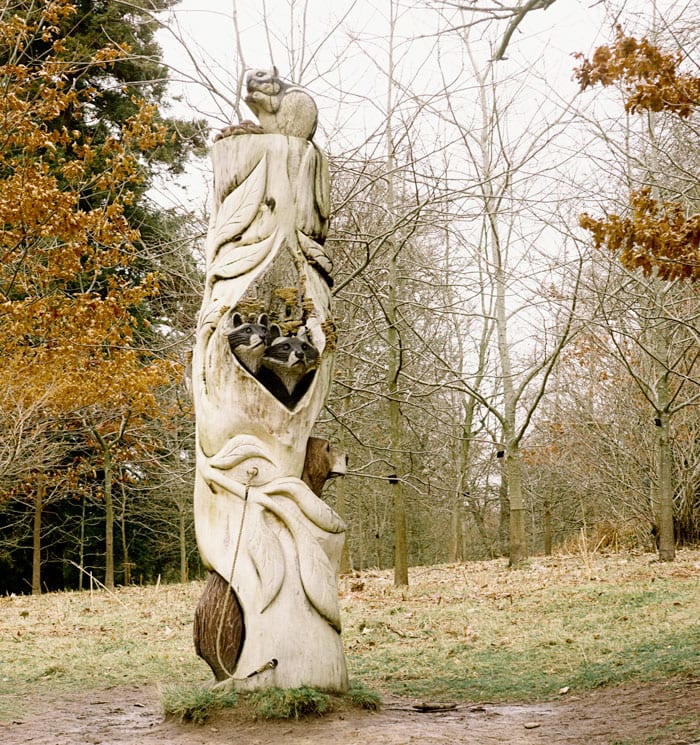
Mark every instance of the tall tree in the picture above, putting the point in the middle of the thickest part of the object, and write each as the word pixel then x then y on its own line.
pixel 74 285
pixel 513 232
pixel 655 234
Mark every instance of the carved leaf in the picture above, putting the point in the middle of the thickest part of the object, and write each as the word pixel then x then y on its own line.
pixel 312 210
pixel 239 208
pixel 237 450
pixel 313 508
pixel 322 187
pixel 266 554
pixel 315 570
pixel 318 579
pixel 234 260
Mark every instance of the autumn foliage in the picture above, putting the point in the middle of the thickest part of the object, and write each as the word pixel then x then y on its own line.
pixel 651 78
pixel 655 235
pixel 69 299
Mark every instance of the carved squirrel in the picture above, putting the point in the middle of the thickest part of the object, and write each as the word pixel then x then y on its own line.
pixel 281 107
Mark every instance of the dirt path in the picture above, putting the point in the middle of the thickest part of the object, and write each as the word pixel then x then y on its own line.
pixel 662 714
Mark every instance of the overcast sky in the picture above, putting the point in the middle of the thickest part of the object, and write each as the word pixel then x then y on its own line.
pixel 348 35
pixel 339 51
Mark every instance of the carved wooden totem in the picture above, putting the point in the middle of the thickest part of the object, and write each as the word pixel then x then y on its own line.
pixel 261 371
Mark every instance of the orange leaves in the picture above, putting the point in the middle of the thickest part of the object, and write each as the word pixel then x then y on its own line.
pixel 655 236
pixel 652 78
pixel 143 131
pixel 69 274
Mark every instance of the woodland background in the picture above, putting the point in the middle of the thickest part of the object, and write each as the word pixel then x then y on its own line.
pixel 518 331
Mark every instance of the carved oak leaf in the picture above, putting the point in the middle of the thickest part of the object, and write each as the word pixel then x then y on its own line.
pixel 267 557
pixel 239 209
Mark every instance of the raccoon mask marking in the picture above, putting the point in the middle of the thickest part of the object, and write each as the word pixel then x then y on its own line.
pixel 288 366
pixel 247 342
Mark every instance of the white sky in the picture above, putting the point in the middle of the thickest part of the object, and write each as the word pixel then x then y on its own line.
pixel 345 42
pixel 339 51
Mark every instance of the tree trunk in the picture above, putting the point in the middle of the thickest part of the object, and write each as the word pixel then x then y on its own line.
pixel 109 517
pixel 547 527
pixel 394 366
pixel 456 528
pixel 400 546
pixel 665 531
pixel 517 552
pixel 341 509
pixel 36 535
pixel 81 548
pixel 125 547
pixel 183 546
pixel 504 518
pixel 463 488
pixel 393 337
pixel 265 256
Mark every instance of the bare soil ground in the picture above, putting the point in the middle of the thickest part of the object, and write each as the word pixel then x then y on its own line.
pixel 663 714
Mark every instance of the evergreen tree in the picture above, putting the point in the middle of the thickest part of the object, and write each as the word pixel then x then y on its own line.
pixel 83 259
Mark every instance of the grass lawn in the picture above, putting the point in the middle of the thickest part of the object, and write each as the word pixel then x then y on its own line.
pixel 475 632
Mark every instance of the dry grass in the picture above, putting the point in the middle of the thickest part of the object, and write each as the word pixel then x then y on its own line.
pixel 476 631
pixel 481 631
pixel 73 640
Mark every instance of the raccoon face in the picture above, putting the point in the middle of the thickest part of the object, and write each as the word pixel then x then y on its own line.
pixel 247 341
pixel 289 361
pixel 291 352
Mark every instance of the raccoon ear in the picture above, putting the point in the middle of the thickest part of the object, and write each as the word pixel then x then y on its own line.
pixel 263 320
pixel 237 319
pixel 274 331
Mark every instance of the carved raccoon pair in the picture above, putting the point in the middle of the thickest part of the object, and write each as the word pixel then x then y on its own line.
pixel 285 365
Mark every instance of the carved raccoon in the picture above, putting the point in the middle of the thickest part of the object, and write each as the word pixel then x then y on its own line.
pixel 248 341
pixel 288 365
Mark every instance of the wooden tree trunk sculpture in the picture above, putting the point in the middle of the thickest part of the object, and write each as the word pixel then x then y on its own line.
pixel 261 370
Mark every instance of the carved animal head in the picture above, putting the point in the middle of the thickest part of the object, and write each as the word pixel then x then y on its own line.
pixel 290 358
pixel 322 462
pixel 247 341
pixel 265 81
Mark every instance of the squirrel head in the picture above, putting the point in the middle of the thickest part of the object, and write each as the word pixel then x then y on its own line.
pixel 264 81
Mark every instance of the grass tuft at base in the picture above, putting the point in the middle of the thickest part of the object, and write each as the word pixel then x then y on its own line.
pixel 191 704
pixel 195 705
